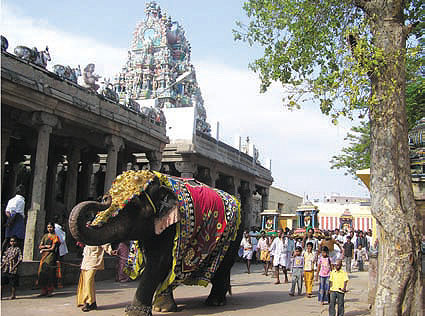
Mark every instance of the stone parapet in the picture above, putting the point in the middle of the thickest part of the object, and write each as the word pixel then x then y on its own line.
pixel 33 88
pixel 230 156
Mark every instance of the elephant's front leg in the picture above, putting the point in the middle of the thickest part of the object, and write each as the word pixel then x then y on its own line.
pixel 165 302
pixel 156 269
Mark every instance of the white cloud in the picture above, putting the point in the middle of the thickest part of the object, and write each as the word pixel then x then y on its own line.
pixel 300 143
pixel 64 48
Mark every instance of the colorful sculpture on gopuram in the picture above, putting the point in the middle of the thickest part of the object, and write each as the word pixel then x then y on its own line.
pixel 158 58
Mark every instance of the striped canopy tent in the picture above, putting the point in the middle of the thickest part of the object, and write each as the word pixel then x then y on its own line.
pixel 331 214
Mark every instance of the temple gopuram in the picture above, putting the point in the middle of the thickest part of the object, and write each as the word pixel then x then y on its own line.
pixel 159 56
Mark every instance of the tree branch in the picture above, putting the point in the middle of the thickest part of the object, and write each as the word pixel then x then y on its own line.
pixel 407 29
pixel 362 4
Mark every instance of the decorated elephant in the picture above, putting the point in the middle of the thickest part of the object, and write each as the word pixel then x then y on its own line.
pixel 33 55
pixel 184 231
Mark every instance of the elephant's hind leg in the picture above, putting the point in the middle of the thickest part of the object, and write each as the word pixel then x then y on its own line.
pixel 220 285
pixel 165 302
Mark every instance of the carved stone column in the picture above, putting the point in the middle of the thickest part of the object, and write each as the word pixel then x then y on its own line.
pixel 230 185
pixel 203 175
pixel 264 199
pixel 52 172
pixel 187 169
pixel 5 140
pixel 73 157
pixel 214 175
pixel 115 144
pixel 87 160
pixel 36 213
pixel 154 158
pixel 245 191
pixel 14 156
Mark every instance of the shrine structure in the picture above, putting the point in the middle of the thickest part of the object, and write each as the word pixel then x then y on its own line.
pixel 158 72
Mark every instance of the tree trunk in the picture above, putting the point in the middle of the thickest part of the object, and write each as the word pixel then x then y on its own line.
pixel 400 289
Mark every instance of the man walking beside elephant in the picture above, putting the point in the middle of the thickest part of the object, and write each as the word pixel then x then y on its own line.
pixel 92 261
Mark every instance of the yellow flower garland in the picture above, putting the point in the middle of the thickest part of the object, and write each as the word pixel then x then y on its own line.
pixel 125 187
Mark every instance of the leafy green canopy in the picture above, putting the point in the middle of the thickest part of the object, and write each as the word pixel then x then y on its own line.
pixel 319 48
pixel 356 155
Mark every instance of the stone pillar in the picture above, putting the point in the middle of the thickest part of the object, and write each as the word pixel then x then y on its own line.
pixel 214 178
pixel 36 213
pixel 264 199
pixel 87 160
pixel 73 158
pixel 52 172
pixel 230 185
pixel 154 158
pixel 5 140
pixel 245 192
pixel 12 179
pixel 187 169
pixel 237 183
pixel 115 144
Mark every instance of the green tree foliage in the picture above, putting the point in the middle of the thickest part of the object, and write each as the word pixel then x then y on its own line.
pixel 356 155
pixel 319 49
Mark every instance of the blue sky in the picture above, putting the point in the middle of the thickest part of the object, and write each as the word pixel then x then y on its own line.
pixel 208 24
pixel 300 143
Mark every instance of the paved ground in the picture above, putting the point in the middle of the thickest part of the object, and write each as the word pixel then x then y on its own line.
pixel 253 294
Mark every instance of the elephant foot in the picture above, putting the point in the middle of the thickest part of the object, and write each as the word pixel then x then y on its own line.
pixel 142 310
pixel 165 303
pixel 215 301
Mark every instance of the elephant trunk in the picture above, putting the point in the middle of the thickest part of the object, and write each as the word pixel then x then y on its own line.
pixel 79 224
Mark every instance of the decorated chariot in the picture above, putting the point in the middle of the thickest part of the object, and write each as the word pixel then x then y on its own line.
pixel 307 217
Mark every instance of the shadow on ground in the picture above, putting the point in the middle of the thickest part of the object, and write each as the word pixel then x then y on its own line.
pixel 236 302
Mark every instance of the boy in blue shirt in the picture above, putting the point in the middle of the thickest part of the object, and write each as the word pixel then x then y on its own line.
pixel 297 271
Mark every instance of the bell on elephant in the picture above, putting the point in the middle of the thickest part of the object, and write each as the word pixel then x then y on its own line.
pixel 184 230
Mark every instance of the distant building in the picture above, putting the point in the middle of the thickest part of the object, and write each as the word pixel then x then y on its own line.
pixel 281 212
pixel 345 199
pixel 345 212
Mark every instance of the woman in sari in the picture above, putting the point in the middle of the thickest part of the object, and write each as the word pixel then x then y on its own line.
pixel 47 270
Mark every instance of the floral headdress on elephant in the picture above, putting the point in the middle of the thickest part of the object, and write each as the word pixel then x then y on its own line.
pixel 125 187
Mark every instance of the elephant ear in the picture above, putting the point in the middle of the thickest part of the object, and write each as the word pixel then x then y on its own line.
pixel 168 210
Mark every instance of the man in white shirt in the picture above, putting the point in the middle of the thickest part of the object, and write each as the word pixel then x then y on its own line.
pixel 15 212
pixel 279 248
pixel 92 262
pixel 247 246
pixel 59 231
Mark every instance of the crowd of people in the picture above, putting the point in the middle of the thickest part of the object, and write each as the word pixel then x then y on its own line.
pixel 53 248
pixel 309 258
pixel 306 259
